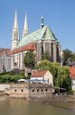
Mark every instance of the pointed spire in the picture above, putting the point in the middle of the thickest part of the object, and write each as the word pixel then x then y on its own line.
pixel 16 21
pixel 25 31
pixel 42 22
pixel 15 34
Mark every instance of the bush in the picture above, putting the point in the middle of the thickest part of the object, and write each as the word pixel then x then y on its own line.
pixel 71 92
pixel 11 77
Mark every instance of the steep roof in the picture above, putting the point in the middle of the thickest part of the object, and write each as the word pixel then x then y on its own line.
pixel 39 73
pixel 72 72
pixel 30 47
pixel 44 33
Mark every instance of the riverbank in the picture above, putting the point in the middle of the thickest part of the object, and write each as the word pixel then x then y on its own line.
pixel 37 92
pixel 2 93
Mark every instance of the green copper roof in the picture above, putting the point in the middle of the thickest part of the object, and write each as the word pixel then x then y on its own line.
pixel 44 33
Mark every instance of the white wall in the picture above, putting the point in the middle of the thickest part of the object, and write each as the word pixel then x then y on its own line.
pixel 37 79
pixel 4 86
pixel 48 76
pixel 73 85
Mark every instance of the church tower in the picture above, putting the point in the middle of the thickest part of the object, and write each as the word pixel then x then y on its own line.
pixel 15 34
pixel 25 30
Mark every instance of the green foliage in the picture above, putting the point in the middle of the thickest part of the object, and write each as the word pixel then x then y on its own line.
pixel 45 65
pixel 29 59
pixel 11 77
pixel 61 75
pixel 46 56
pixel 69 57
pixel 71 92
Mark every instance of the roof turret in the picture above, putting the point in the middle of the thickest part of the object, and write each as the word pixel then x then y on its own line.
pixel 42 22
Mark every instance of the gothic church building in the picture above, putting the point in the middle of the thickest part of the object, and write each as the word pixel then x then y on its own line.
pixel 38 42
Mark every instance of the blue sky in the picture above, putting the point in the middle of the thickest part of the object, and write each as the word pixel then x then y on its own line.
pixel 59 15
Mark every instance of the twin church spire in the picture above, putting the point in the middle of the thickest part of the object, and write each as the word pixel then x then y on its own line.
pixel 15 34
pixel 16 21
pixel 25 30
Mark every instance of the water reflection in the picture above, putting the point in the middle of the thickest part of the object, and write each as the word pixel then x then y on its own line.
pixel 23 107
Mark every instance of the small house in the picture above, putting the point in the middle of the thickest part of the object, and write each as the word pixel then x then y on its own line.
pixel 42 76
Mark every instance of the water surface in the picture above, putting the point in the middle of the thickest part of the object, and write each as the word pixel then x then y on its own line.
pixel 23 107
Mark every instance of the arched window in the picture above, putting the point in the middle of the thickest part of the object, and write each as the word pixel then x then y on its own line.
pixel 52 52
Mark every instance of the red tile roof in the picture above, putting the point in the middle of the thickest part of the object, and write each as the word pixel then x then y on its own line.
pixel 5 51
pixel 72 72
pixel 39 73
pixel 30 47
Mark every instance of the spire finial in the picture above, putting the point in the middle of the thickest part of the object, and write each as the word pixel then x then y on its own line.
pixel 16 21
pixel 25 31
pixel 42 21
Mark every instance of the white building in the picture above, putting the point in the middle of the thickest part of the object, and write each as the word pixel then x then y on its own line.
pixel 42 76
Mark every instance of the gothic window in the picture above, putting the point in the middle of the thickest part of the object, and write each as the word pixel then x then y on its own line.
pixel 42 48
pixel 52 52
pixel 57 54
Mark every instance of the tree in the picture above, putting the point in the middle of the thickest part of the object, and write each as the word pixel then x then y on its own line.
pixel 61 75
pixel 69 57
pixel 29 59
pixel 63 80
pixel 46 56
pixel 45 65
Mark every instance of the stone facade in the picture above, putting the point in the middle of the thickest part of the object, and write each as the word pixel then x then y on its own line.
pixel 40 91
pixel 5 60
pixel 30 91
pixel 52 48
pixel 42 39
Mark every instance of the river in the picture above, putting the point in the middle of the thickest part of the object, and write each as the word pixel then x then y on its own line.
pixel 10 106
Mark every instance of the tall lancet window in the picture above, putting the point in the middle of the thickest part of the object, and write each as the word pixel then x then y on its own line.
pixel 52 52
pixel 57 54
pixel 42 48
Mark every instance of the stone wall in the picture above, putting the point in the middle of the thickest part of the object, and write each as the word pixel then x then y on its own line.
pixel 40 91
pixel 18 90
pixel 37 92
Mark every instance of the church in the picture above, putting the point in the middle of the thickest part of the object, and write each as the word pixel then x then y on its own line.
pixel 38 42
